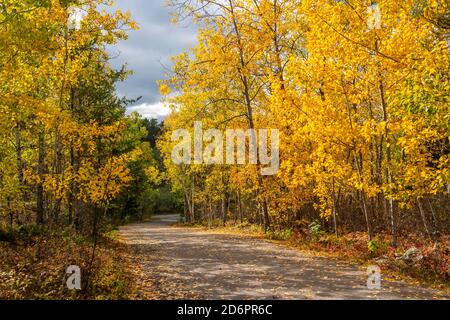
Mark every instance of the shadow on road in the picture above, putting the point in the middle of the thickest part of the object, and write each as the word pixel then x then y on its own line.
pixel 185 263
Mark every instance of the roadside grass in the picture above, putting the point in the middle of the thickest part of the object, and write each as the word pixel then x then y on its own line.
pixel 432 270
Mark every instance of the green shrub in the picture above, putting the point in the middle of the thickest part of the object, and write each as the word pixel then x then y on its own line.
pixel 315 229
pixel 376 246
pixel 25 233
pixel 283 234
pixel 6 234
pixel 286 234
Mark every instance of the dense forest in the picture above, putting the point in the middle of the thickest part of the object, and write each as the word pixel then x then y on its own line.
pixel 69 153
pixel 358 90
pixel 363 113
pixel 71 160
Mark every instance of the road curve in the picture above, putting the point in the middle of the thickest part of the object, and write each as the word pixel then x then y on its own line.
pixel 184 263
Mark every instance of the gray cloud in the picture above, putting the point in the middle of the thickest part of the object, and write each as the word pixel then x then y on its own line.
pixel 149 49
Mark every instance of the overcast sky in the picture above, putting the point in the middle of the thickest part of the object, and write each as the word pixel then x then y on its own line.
pixel 148 51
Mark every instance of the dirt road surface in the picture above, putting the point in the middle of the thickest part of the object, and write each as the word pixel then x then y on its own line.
pixel 184 263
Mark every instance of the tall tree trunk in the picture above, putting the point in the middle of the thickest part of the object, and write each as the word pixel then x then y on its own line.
pixel 58 171
pixel 388 153
pixel 433 214
pixel 210 212
pixel 249 113
pixel 393 225
pixel 72 191
pixel 185 207
pixel 424 218
pixel 193 199
pixel 241 214
pixel 359 169
pixel 222 206
pixel 188 206
pixel 366 216
pixel 19 160
pixel 334 208
pixel 76 202
pixel 40 188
